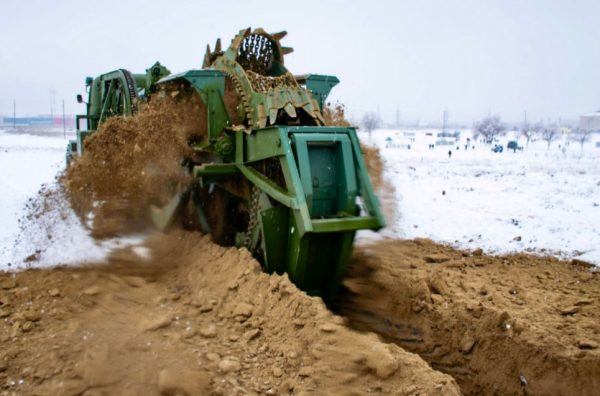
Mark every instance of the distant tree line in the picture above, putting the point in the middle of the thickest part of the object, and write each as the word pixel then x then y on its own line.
pixel 370 122
pixel 491 127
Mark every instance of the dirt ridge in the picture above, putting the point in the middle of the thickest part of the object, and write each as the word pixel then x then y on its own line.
pixel 513 324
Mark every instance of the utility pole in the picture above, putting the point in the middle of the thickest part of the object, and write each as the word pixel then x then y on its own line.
pixel 14 114
pixel 64 121
pixel 397 117
pixel 52 103
pixel 445 121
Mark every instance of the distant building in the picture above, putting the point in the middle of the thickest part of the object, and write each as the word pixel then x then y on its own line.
pixel 41 121
pixel 565 130
pixel 590 121
pixel 48 121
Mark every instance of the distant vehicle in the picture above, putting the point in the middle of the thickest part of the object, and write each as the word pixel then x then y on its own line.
pixel 514 146
pixel 390 143
pixel 444 142
pixel 497 148
pixel 444 134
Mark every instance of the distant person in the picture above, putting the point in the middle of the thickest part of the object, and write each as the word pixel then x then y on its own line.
pixel 449 153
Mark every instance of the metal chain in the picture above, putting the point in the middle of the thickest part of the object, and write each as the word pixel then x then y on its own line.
pixel 130 89
pixel 252 216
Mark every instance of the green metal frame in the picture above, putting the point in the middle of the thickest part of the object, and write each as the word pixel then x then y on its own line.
pixel 108 96
pixel 313 251
pixel 320 85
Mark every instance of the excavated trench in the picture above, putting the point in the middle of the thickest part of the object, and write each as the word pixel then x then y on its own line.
pixel 498 325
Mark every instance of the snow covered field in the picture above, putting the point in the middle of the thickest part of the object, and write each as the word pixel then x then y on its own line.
pixel 539 200
pixel 56 237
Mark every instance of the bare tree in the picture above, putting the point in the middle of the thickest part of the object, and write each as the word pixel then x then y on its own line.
pixel 528 131
pixel 581 136
pixel 370 122
pixel 489 128
pixel 549 133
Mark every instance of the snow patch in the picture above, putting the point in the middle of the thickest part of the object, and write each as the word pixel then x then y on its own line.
pixel 39 227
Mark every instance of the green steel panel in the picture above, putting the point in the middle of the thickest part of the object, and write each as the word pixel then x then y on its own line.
pixel 320 86
pixel 275 230
pixel 345 224
pixel 327 172
pixel 264 144
pixel 214 170
pixel 268 186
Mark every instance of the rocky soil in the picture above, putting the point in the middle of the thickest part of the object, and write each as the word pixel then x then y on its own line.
pixel 188 317
pixel 499 325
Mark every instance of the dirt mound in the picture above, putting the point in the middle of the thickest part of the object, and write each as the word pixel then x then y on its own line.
pixel 500 325
pixel 374 165
pixel 188 317
pixel 384 189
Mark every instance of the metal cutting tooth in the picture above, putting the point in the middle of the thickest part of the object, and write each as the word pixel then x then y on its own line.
pixel 279 35
pixel 290 110
pixel 272 116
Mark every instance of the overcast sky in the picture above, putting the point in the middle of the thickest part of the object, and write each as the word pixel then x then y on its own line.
pixel 421 57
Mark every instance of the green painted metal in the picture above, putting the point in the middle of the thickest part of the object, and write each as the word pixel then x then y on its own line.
pixel 320 85
pixel 275 226
pixel 208 170
pixel 263 145
pixel 268 186
pixel 328 177
pixel 224 145
pixel 319 237
pixel 113 94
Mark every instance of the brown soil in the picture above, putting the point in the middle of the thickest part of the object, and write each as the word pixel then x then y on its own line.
pixel 133 162
pixel 499 325
pixel 335 114
pixel 194 319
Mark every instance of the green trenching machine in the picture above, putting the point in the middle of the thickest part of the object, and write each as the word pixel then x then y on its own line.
pixel 273 177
